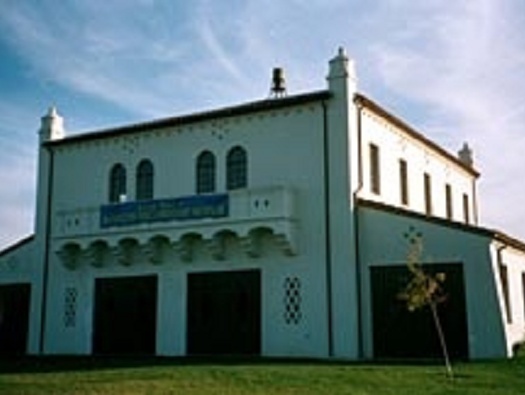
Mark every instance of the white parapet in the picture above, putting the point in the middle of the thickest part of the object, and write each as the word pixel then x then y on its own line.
pixel 250 215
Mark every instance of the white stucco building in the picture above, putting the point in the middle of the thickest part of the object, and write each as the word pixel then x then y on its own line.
pixel 275 228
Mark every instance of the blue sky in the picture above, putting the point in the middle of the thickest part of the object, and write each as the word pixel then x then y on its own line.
pixel 454 70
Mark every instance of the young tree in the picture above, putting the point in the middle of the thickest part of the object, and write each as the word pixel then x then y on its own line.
pixel 425 290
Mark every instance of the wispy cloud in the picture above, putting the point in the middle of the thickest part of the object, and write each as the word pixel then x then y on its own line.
pixel 455 69
pixel 214 45
pixel 465 64
pixel 16 212
pixel 87 50
pixel 17 175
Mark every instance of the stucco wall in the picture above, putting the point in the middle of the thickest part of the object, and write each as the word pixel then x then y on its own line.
pixel 514 260
pixel 19 266
pixel 395 144
pixel 383 242
pixel 284 147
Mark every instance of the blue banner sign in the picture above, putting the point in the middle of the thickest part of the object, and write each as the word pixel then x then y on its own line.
pixel 149 211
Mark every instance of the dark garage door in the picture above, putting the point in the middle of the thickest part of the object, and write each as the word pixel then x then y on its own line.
pixel 14 318
pixel 399 333
pixel 125 320
pixel 224 313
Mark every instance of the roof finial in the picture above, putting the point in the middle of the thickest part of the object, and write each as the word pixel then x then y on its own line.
pixel 465 155
pixel 339 66
pixel 52 112
pixel 52 125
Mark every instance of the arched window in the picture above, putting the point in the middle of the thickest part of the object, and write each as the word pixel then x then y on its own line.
pixel 236 168
pixel 145 178
pixel 117 183
pixel 205 172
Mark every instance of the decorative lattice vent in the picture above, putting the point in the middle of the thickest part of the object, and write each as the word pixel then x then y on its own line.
pixel 292 301
pixel 70 307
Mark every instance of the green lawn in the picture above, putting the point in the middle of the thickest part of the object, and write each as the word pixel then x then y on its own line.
pixel 175 376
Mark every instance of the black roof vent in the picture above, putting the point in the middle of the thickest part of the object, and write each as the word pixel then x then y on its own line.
pixel 278 88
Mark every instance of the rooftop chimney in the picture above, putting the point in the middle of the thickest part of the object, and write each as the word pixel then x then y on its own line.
pixel 278 88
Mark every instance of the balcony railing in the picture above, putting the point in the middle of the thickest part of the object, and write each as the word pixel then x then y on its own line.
pixel 153 228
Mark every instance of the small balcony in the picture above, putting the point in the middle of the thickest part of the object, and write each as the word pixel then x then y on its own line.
pixel 150 230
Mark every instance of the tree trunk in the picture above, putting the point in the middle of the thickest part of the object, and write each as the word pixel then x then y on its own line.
pixel 441 335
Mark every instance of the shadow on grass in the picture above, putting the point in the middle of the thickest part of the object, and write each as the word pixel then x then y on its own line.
pixel 51 364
